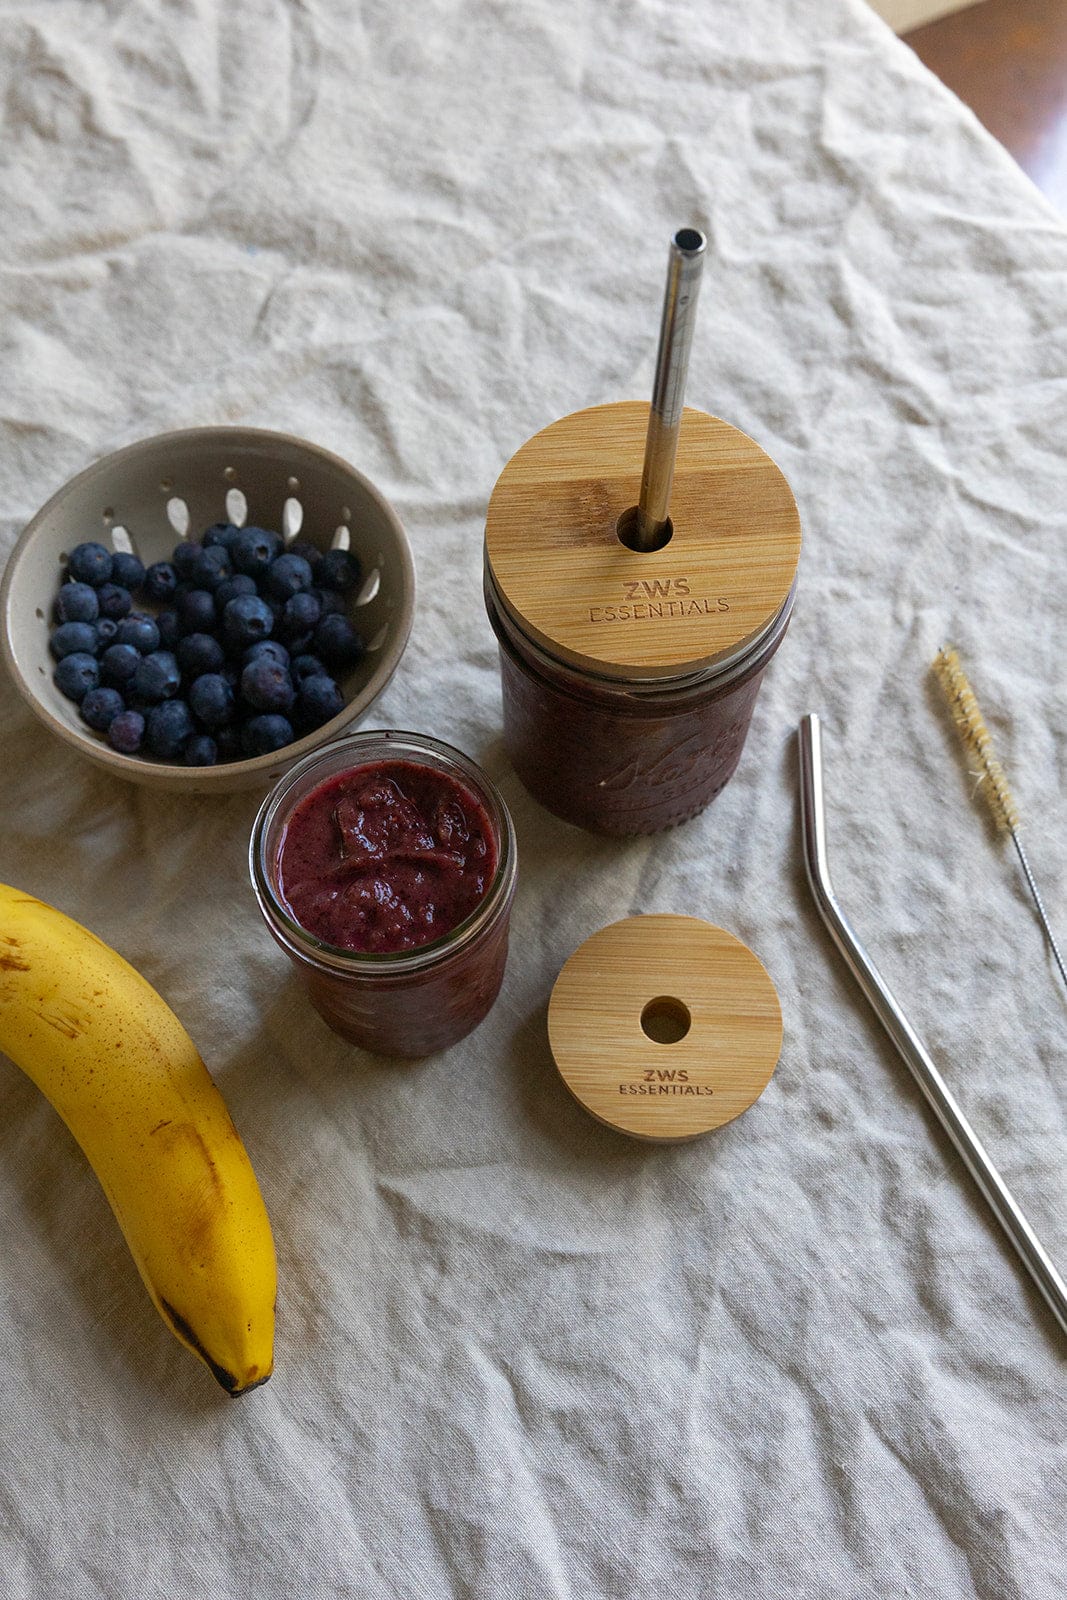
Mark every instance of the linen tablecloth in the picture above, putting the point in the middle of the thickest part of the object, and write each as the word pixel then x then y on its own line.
pixel 519 1355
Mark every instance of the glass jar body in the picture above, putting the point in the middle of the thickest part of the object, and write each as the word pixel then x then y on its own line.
pixel 623 758
pixel 413 1002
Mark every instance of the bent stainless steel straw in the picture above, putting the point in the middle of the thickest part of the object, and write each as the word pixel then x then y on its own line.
pixel 684 266
pixel 813 826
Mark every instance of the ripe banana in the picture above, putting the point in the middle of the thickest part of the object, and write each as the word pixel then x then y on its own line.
pixel 127 1080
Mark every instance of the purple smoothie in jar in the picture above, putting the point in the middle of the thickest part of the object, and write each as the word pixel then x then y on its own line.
pixel 384 866
pixel 629 677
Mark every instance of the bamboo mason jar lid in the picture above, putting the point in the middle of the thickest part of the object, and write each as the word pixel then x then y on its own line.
pixel 665 1027
pixel 555 531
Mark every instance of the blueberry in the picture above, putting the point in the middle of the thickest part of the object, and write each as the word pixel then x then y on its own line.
pixel 127 569
pixel 210 567
pixel 89 563
pixel 199 653
pixel 167 727
pixel 106 632
pixel 126 732
pixel 300 614
pixel 254 549
pixel 241 583
pixel 247 619
pixel 319 699
pixel 266 686
pixel 212 700
pixel 331 601
pixel 338 643
pixel 140 631
pixel 310 552
pixel 228 742
pixel 77 673
pixel 157 676
pixel 306 666
pixel 338 569
pixel 170 629
pixel 271 649
pixel 287 576
pixel 100 707
pixel 200 751
pixel 196 610
pixel 261 735
pixel 71 637
pixel 118 664
pixel 160 581
pixel 219 533
pixel 183 557
pixel 115 601
pixel 77 602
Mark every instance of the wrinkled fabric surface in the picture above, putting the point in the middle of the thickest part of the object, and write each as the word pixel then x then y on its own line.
pixel 519 1355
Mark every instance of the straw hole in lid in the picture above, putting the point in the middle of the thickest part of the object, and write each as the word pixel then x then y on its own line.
pixel 120 539
pixel 178 516
pixel 369 588
pixel 379 639
pixel 666 1020
pixel 342 538
pixel 292 519
pixel 236 507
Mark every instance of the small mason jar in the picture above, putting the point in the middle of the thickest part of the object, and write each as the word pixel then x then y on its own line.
pixel 411 1002
pixel 629 676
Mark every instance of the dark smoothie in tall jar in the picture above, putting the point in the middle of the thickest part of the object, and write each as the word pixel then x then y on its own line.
pixel 385 867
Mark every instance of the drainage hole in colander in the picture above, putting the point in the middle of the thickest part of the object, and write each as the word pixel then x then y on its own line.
pixel 292 519
pixel 236 507
pixel 120 539
pixel 178 516
pixel 341 538
pixel 369 588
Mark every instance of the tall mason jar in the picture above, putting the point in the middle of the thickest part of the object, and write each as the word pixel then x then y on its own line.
pixel 629 677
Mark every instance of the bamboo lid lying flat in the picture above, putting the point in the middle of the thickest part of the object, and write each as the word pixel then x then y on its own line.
pixel 665 1027
pixel 569 581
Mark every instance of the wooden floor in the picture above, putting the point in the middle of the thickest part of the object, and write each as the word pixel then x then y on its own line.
pixel 1007 59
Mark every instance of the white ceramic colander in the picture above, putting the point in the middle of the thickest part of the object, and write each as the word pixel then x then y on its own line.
pixel 151 494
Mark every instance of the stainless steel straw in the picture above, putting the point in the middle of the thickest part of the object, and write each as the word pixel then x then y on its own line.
pixel 813 825
pixel 684 267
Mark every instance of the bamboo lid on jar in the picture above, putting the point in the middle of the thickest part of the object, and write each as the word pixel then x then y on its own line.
pixel 665 1027
pixel 555 531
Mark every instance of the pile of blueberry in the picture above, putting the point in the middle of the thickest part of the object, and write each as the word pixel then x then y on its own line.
pixel 236 656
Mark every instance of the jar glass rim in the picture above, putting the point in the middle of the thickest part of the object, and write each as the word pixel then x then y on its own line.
pixel 365 747
pixel 718 675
